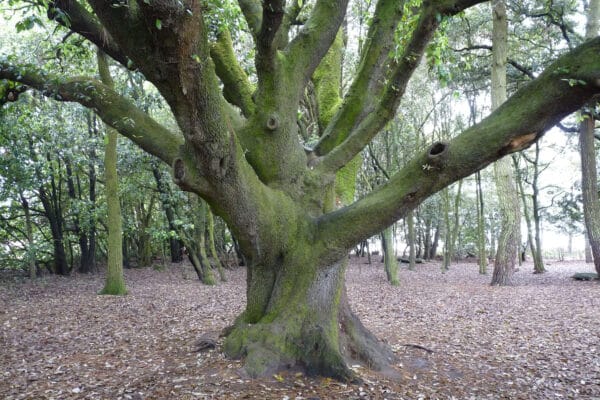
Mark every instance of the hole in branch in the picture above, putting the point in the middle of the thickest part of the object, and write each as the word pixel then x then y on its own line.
pixel 437 149
pixel 437 155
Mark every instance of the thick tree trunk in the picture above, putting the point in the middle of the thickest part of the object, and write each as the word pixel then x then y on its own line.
pixel 589 187
pixel 298 316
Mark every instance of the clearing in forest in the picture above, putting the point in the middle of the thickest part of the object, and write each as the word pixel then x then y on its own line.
pixel 454 336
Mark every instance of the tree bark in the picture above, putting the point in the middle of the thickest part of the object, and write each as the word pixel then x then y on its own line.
pixel 114 283
pixel 410 220
pixel 165 195
pixel 389 259
pixel 507 251
pixel 298 315
pixel 589 172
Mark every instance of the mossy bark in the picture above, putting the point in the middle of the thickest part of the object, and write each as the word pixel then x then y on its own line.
pixel 298 317
pixel 507 251
pixel 115 283
pixel 389 259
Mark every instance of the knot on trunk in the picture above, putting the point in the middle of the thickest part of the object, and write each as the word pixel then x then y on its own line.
pixel 437 155
pixel 178 171
pixel 273 122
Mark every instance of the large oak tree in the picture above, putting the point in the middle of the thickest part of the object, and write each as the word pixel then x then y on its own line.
pixel 238 145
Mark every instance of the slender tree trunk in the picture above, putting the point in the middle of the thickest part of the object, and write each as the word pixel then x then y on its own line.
pixel 589 258
pixel 538 263
pixel 165 195
pixel 211 245
pixel 506 254
pixel 481 250
pixel 447 228
pixel 389 259
pixel 115 283
pixel 410 220
pixel 31 253
pixel 436 240
pixel 196 245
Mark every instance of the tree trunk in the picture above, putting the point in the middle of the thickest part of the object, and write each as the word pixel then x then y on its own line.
pixel 447 235
pixel 538 263
pixel 166 197
pixel 211 245
pixel 481 250
pixel 31 253
pixel 410 220
pixel 298 316
pixel 507 252
pixel 589 172
pixel 389 259
pixel 114 283
pixel 196 244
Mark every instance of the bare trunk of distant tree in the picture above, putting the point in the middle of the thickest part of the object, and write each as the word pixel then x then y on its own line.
pixel 535 253
pixel 31 256
pixel 508 201
pixel 410 221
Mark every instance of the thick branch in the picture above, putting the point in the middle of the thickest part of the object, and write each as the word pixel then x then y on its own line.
pixel 309 47
pixel 236 86
pixel 87 25
pixel 114 109
pixel 517 124
pixel 374 62
pixel 366 122
pixel 273 12
pixel 252 11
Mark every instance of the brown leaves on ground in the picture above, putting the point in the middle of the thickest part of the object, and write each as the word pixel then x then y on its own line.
pixel 455 336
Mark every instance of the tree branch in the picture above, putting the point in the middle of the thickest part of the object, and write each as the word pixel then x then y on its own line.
pixel 252 11
pixel 515 64
pixel 518 123
pixel 364 126
pixel 374 62
pixel 308 48
pixel 236 86
pixel 87 25
pixel 114 109
pixel 273 13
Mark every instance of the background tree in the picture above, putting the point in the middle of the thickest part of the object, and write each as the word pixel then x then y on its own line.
pixel 115 283
pixel 589 173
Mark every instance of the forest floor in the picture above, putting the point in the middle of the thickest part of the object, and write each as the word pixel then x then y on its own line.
pixel 538 339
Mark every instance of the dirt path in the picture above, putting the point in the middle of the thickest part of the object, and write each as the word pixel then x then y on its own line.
pixel 456 337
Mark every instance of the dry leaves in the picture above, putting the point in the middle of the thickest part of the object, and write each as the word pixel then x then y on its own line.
pixel 539 339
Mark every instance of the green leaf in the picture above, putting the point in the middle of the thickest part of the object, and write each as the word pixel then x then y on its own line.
pixel 158 24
